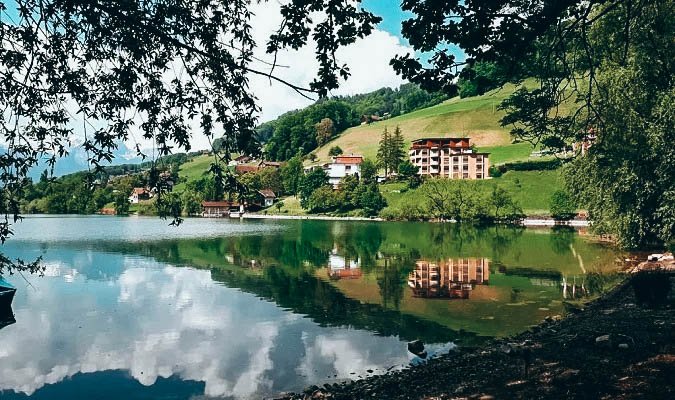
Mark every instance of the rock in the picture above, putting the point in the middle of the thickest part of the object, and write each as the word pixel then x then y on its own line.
pixel 567 376
pixel 603 341
pixel 623 346
pixel 417 348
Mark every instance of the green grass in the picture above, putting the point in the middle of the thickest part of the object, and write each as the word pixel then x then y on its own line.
pixel 531 189
pixel 291 207
pixel 193 170
pixel 510 153
pixel 474 117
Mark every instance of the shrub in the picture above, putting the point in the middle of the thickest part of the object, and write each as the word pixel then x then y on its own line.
pixel 562 206
pixel 334 151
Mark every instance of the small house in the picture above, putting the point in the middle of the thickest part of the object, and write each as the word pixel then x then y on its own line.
pixel 341 167
pixel 138 194
pixel 267 197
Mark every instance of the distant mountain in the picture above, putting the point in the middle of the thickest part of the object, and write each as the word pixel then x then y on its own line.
pixel 76 160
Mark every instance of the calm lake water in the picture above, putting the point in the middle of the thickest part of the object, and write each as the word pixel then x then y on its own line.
pixel 132 308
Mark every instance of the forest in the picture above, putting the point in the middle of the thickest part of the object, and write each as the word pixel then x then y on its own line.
pixel 304 130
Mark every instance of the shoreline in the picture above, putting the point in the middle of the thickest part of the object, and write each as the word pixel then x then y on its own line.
pixel 534 222
pixel 620 346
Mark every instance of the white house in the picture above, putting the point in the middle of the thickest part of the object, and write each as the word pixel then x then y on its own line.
pixel 139 194
pixel 341 167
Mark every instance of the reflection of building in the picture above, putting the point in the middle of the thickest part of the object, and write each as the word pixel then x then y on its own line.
pixel 454 278
pixel 448 158
pixel 343 268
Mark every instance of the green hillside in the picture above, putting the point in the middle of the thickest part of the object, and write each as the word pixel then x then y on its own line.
pixel 474 117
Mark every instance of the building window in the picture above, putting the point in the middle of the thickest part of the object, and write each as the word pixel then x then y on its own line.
pixel 455 167
pixel 479 176
pixel 466 159
pixel 465 167
pixel 455 159
pixel 348 168
pixel 466 175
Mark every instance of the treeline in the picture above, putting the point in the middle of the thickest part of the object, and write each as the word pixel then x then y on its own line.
pixel 458 200
pixel 75 193
pixel 305 130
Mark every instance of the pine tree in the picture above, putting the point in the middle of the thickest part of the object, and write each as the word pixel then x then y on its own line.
pixel 384 152
pixel 398 154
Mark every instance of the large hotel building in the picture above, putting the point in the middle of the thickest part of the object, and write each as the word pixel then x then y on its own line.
pixel 448 158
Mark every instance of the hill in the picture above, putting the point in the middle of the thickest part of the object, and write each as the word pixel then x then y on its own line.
pixel 474 117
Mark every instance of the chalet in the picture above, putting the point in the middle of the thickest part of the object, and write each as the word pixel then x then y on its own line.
pixel 341 167
pixel 138 194
pixel 448 158
pixel 267 197
pixel 220 208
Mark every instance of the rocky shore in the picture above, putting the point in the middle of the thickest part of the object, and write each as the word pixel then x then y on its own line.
pixel 620 346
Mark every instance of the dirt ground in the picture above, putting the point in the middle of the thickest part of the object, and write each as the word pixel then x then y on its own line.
pixel 618 347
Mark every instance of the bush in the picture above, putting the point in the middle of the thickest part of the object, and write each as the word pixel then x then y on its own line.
pixel 539 165
pixel 562 206
pixel 334 151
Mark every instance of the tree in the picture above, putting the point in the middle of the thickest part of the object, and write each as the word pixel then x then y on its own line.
pixel 322 199
pixel 398 153
pixel 562 206
pixel 291 174
pixel 121 203
pixel 370 199
pixel 368 171
pixel 409 172
pixel 192 202
pixel 603 69
pixel 384 152
pixel 309 183
pixel 279 205
pixel 162 62
pixel 325 129
pixel 334 151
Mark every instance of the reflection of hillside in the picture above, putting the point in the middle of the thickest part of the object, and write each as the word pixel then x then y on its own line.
pixel 327 306
pixel 454 278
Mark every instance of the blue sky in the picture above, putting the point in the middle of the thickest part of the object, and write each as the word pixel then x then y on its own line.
pixel 393 16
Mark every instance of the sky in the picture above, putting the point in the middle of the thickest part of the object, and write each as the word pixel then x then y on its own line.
pixel 368 60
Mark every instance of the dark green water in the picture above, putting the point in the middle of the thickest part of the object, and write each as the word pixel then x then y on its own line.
pixel 132 308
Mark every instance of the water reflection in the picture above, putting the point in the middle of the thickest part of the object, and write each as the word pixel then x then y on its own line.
pixel 340 267
pixel 158 321
pixel 264 307
pixel 453 279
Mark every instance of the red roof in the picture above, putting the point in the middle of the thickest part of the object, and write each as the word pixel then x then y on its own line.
pixel 348 160
pixel 242 169
pixel 139 191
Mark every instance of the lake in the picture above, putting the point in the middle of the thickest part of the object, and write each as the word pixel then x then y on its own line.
pixel 132 308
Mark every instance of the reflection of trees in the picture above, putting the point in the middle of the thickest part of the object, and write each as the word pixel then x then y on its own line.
pixel 361 241
pixel 390 280
pixel 561 238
